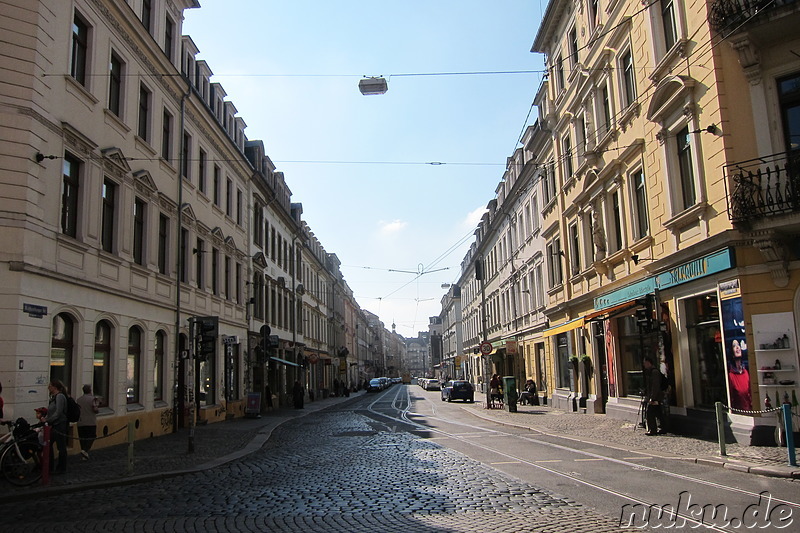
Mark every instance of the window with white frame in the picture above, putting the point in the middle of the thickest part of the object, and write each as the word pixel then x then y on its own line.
pixel 573 47
pixel 640 217
pixel 79 54
pixel 683 151
pixel 627 79
pixel 615 240
pixel 116 73
pixel 574 248
pixel 554 269
pixel 604 111
pixel 566 156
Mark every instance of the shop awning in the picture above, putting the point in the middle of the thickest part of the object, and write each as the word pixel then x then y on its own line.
pixel 284 361
pixel 609 311
pixel 566 326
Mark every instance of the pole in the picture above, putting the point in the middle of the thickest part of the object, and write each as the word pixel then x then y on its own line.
pixel 190 362
pixel 789 432
pixel 720 428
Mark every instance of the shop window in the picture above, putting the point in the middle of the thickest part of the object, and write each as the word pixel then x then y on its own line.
pixel 206 381
pixel 705 350
pixel 564 374
pixel 133 366
pixel 61 349
pixel 634 346
pixel 158 366
pixel 101 360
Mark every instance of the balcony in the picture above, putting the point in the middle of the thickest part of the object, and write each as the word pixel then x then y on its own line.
pixel 729 16
pixel 764 188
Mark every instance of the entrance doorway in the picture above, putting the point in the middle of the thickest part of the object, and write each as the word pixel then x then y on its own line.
pixel 705 350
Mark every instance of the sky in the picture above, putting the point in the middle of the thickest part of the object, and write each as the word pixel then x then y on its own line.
pixel 393 184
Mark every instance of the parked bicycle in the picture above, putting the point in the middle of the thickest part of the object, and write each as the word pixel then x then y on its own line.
pixel 21 453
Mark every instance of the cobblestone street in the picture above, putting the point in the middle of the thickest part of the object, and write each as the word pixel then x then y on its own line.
pixel 367 478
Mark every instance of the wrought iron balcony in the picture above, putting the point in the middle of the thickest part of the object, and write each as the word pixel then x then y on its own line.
pixel 764 187
pixel 728 16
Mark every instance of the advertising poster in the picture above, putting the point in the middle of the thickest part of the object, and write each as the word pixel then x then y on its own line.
pixel 735 345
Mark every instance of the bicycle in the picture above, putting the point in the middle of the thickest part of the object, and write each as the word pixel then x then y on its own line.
pixel 21 453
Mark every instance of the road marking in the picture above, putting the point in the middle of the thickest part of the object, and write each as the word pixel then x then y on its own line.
pixel 637 457
pixel 548 461
pixel 599 459
pixel 506 463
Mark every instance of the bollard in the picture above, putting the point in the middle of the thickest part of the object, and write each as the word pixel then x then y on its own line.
pixel 789 432
pixel 131 431
pixel 45 462
pixel 720 428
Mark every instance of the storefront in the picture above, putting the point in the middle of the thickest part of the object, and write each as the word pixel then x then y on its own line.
pixel 675 318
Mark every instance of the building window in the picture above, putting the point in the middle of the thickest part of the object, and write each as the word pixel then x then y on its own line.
pixel 199 273
pixel 229 197
pixel 169 38
pixel 559 75
pixel 109 212
pixel 640 197
pixel 789 98
pixel 566 146
pixel 201 171
pixel 227 278
pixel 184 255
pixel 239 207
pixel 258 226
pixel 707 360
pixel 158 365
pixel 668 22
pixel 186 153
pixel 574 248
pixel 163 244
pixel 564 369
pixel 80 49
pixel 139 216
pixel 628 79
pixel 605 120
pixel 686 168
pixel 573 47
pixel 217 186
pixel 147 15
pixel 207 379
pixel 116 73
pixel 634 346
pixel 101 359
pixel 143 128
pixel 166 135
pixel 62 348
pixel 554 270
pixel 70 185
pixel 238 283
pixel 215 271
pixel 616 222
pixel 133 365
pixel 594 14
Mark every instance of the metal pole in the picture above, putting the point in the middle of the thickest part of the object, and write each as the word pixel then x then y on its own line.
pixel 787 425
pixel 720 428
pixel 190 366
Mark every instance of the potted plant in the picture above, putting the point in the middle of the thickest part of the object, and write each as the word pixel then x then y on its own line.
pixel 587 364
pixel 574 362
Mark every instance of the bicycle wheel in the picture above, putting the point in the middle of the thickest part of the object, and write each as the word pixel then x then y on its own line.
pixel 23 467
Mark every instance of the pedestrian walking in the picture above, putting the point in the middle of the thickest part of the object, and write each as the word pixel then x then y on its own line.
pixel 654 396
pixel 56 417
pixel 87 424
pixel 268 396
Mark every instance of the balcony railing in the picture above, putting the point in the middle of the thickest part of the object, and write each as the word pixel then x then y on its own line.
pixel 727 16
pixel 764 187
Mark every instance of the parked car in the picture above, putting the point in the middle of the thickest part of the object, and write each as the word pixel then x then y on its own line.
pixel 374 385
pixel 458 390
pixel 432 384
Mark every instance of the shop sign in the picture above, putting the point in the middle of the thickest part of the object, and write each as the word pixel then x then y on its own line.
pixel 511 347
pixel 689 271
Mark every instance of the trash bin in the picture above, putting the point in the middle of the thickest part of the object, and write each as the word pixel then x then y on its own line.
pixel 510 394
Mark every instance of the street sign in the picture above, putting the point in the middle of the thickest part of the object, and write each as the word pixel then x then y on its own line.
pixel 486 347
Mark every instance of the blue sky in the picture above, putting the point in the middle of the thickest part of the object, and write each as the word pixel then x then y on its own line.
pixel 360 165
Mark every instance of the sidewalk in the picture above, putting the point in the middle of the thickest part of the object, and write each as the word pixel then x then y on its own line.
pixel 215 444
pixel 167 455
pixel 604 430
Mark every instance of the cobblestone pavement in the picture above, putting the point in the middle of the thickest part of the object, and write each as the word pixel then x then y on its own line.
pixel 334 471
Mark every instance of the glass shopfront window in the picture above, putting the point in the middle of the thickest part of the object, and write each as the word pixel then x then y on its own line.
pixel 705 350
pixel 562 360
pixel 633 348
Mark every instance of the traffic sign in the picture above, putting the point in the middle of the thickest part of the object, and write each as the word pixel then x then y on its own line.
pixel 486 347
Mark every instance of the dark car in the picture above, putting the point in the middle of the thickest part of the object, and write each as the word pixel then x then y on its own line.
pixel 375 385
pixel 458 390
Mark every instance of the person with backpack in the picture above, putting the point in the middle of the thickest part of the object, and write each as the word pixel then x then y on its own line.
pixel 87 421
pixel 56 417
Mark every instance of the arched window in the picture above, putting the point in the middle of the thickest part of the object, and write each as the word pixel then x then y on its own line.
pixel 158 366
pixel 134 364
pixel 101 361
pixel 61 348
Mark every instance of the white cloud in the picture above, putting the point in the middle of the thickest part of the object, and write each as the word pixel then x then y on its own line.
pixel 473 217
pixel 394 226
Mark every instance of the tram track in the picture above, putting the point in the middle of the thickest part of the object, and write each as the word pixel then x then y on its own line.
pixel 472 435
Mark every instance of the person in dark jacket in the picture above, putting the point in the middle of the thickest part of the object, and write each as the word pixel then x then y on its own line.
pixel 297 394
pixel 653 398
